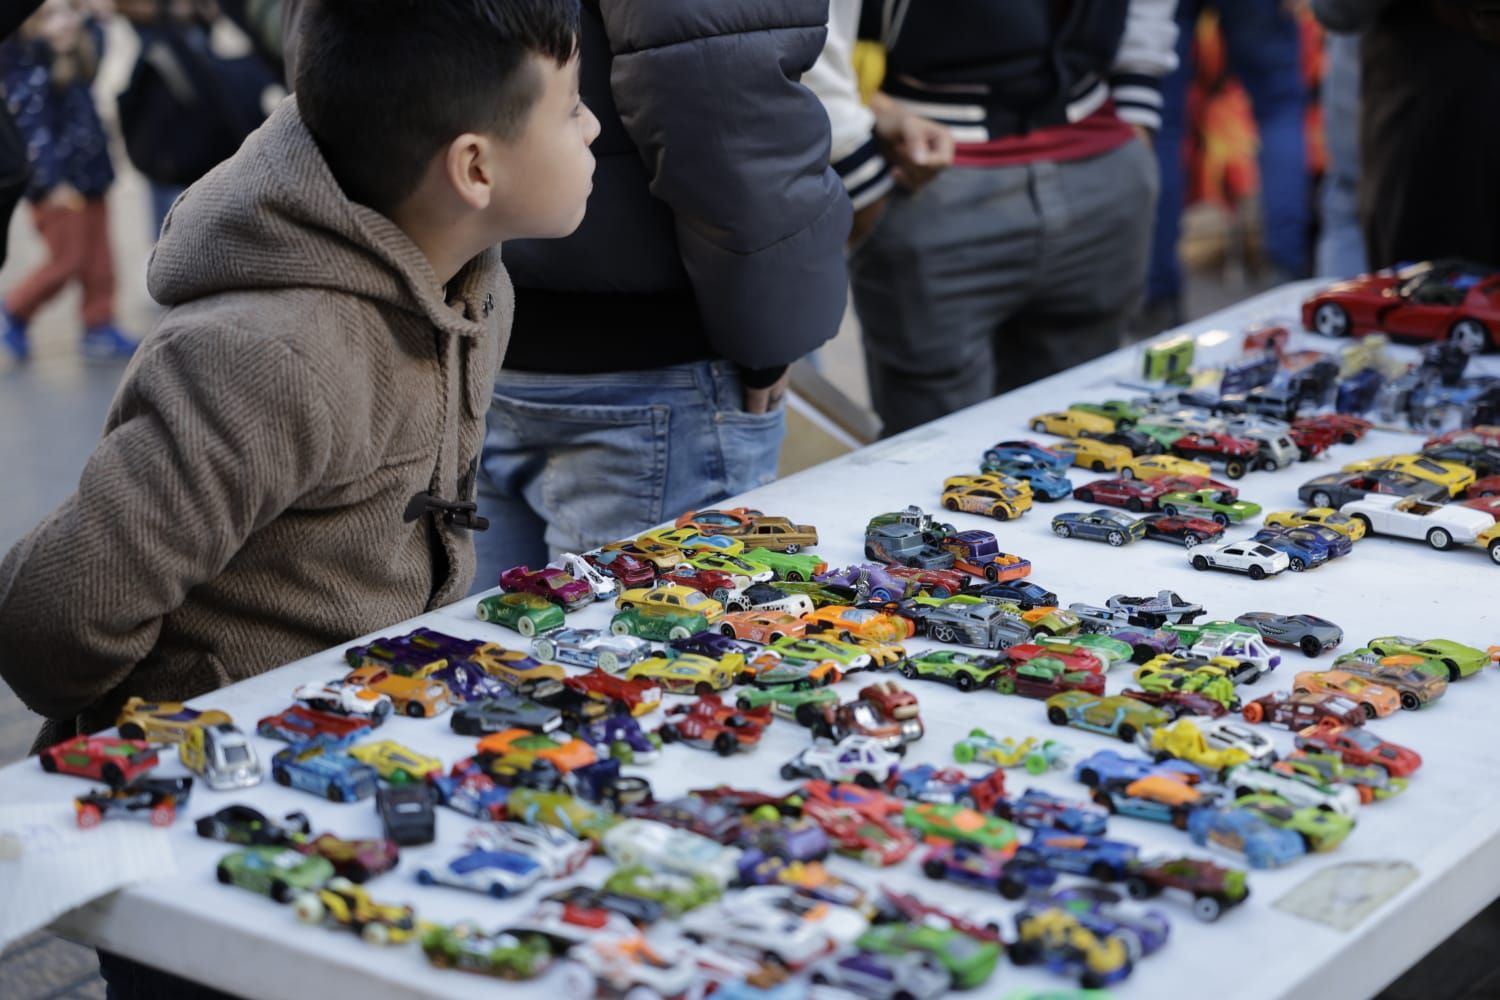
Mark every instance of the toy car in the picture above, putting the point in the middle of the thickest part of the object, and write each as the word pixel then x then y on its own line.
pixel 1256 559
pixel 721 587
pixel 341 903
pixel 518 749
pixel 977 498
pixel 1338 488
pixel 1427 301
pixel 644 842
pixel 872 839
pixel 1101 525
pixel 969 961
pixel 1462 661
pixel 631 697
pixel 561 810
pixel 221 756
pixel 406 813
pixel 276 872
pixel 1452 477
pixel 1240 830
pixel 1155 797
pixel 1372 782
pixel 882 711
pixel 468 681
pixel 159 798
pixel 675 893
pixel 1441 526
pixel 711 724
pixel 904 545
pixel 1219 506
pixel 1071 423
pixel 558 852
pixel 496 873
pixel 1360 748
pixel 1043 480
pixel 1238 455
pixel 346 698
pixel 420 698
pixel 775 923
pixel 1039 810
pixel 1158 466
pixel 627 569
pixel 621 737
pixel 950 786
pixel 763 627
pixel 1321 829
pixel 1297 712
pixel 1035 756
pixel 355 860
pixel 322 770
pixel 1183 530
pixel 1107 769
pixel 786 565
pixel 163 722
pixel 396 763
pixel 1309 633
pixel 965 864
pixel 240 824
pixel 855 758
pixel 802 704
pixel 528 614
pixel 964 671
pixel 414 654
pixel 670 598
pixel 1089 452
pixel 868 974
pixel 1320 516
pixel 1417 680
pixel 1112 715
pixel 554 585
pixel 1297 789
pixel 592 648
pixel 958 824
pixel 509 711
pixel 849 623
pixel 1044 675
pixel 657 625
pixel 1009 451
pixel 468 948
pixel 969 622
pixel 1057 852
pixel 1376 699
pixel 1108 650
pixel 1214 889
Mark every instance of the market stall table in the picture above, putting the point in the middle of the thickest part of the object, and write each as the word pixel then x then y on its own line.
pixel 1446 825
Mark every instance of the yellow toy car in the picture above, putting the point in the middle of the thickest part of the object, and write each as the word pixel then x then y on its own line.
pixel 397 764
pixel 1157 466
pixel 1184 741
pixel 689 673
pixel 1375 699
pixel 993 480
pixel 1071 423
pixel 1351 528
pixel 693 540
pixel 420 698
pixel 164 721
pixel 344 904
pixel 883 655
pixel 673 597
pixel 513 666
pixel 986 500
pixel 1087 453
pixel 659 554
pixel 1451 476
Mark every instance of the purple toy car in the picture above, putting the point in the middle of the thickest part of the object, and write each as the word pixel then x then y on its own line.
pixel 1041 810
pixel 872 581
pixel 1146 643
pixel 711 644
pixel 413 652
pixel 758 868
pixel 621 737
pixel 912 974
pixel 791 840
pixel 466 682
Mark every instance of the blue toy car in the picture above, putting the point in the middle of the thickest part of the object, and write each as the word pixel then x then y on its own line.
pixel 1099 859
pixel 475 794
pixel 1046 482
pixel 1108 769
pixel 1015 451
pixel 709 643
pixel 323 770
pixel 1041 810
pixel 1336 543
pixel 940 785
pixel 1102 525
pixel 1357 393
pixel 1022 593
pixel 1263 845
pixel 1301 553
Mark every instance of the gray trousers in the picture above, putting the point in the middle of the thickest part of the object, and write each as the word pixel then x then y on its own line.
pixel 990 278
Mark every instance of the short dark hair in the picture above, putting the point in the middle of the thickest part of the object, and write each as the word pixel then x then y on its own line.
pixel 382 85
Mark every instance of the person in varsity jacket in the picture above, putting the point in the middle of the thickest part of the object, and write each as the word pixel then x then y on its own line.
pixel 1029 255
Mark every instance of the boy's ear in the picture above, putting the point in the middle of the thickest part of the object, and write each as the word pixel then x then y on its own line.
pixel 472 168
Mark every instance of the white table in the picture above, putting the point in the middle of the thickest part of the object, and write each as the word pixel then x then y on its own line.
pixel 1447 824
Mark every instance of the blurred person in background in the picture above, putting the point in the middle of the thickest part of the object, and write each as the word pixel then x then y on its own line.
pixel 1029 254
pixel 1263 43
pixel 1341 244
pixel 1429 149
pixel 47 71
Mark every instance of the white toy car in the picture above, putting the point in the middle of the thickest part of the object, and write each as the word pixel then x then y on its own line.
pixel 628 966
pixel 557 851
pixel 1240 646
pixel 1230 733
pixel 860 759
pixel 565 923
pixel 602 584
pixel 478 869
pixel 1277 450
pixel 775 923
pixel 1254 558
pixel 346 699
pixel 768 598
pixel 1340 798
pixel 1440 525
pixel 592 647
pixel 656 845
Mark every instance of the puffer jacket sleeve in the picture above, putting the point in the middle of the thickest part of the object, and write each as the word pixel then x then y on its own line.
pixel 738 148
pixel 210 437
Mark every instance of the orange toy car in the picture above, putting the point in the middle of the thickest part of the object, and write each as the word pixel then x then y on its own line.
pixel 417 697
pixel 761 626
pixel 864 623
pixel 521 748
pixel 1376 699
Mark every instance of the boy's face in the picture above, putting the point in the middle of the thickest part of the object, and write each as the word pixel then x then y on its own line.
pixel 549 167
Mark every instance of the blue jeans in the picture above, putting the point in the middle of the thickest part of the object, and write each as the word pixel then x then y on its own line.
pixel 1263 45
pixel 573 461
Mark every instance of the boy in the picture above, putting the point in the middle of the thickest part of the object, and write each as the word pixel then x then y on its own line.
pixel 287 462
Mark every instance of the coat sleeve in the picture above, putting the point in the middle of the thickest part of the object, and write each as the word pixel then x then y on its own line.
pixel 209 439
pixel 1148 52
pixel 738 148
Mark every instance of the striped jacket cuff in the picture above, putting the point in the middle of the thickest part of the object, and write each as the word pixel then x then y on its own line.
pixel 865 173
pixel 1137 98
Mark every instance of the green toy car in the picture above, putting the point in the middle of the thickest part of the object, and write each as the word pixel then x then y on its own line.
pixel 1106 649
pixel 744 573
pixel 1165 435
pixel 821 594
pixel 528 614
pixel 464 946
pixel 1188 633
pixel 277 872
pixel 802 705
pixel 801 566
pixel 1122 413
pixel 964 671
pixel 676 893
pixel 1462 661
pixel 1113 715
pixel 959 825
pixel 1209 683
pixel 1320 829
pixel 816 649
pixel 658 626
pixel 969 961
pixel 1215 505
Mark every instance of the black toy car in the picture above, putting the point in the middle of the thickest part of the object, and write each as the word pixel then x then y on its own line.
pixel 407 813
pixel 240 824
pixel 1154 612
pixel 158 797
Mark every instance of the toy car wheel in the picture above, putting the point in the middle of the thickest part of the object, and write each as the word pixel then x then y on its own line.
pixel 1207 908
pixel 1102 871
pixel 280 776
pixel 1370 712
pixel 1234 469
pixel 1321 499
pixel 796 576
pixel 725 744
pixel 309 908
pixel 163 815
pixel 335 793
pixel 1221 519
pixel 89 816
pixel 1469 335
pixel 1312 647
pixel 132 731
pixel 1257 572
pixel 620 627
pixel 1495 551
pixel 1126 732
pixel 1022 952
pixel 415 710
pixel 575 980
pixel 679 632
pixel 1062 531
pixel 280 891
pixel 1127 473
pixel 1253 712
pixel 375 933
pixel 1057 716
pixel 1440 539
pixel 1115 538
pixel 112 775
pixel 1189 540
pixel 934 869
pixel 1200 563
pixel 1297 564
pixel 546 649
pixel 1331 319
pixel 963 681
pixel 526 626
pixel 951 503
pixel 909 670
pixel 865 780
pixel 1138 888
pixel 789 772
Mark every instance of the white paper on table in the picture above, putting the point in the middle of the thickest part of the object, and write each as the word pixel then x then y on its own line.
pixel 49 866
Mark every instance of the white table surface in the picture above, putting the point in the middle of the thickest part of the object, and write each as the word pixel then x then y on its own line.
pixel 1447 824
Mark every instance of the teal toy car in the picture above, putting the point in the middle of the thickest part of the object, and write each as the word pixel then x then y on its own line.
pixel 277 872
pixel 528 614
pixel 969 961
pixel 964 671
pixel 659 626
pixel 787 566
pixel 1462 661
pixel 1220 506
pixel 676 893
pixel 1112 715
